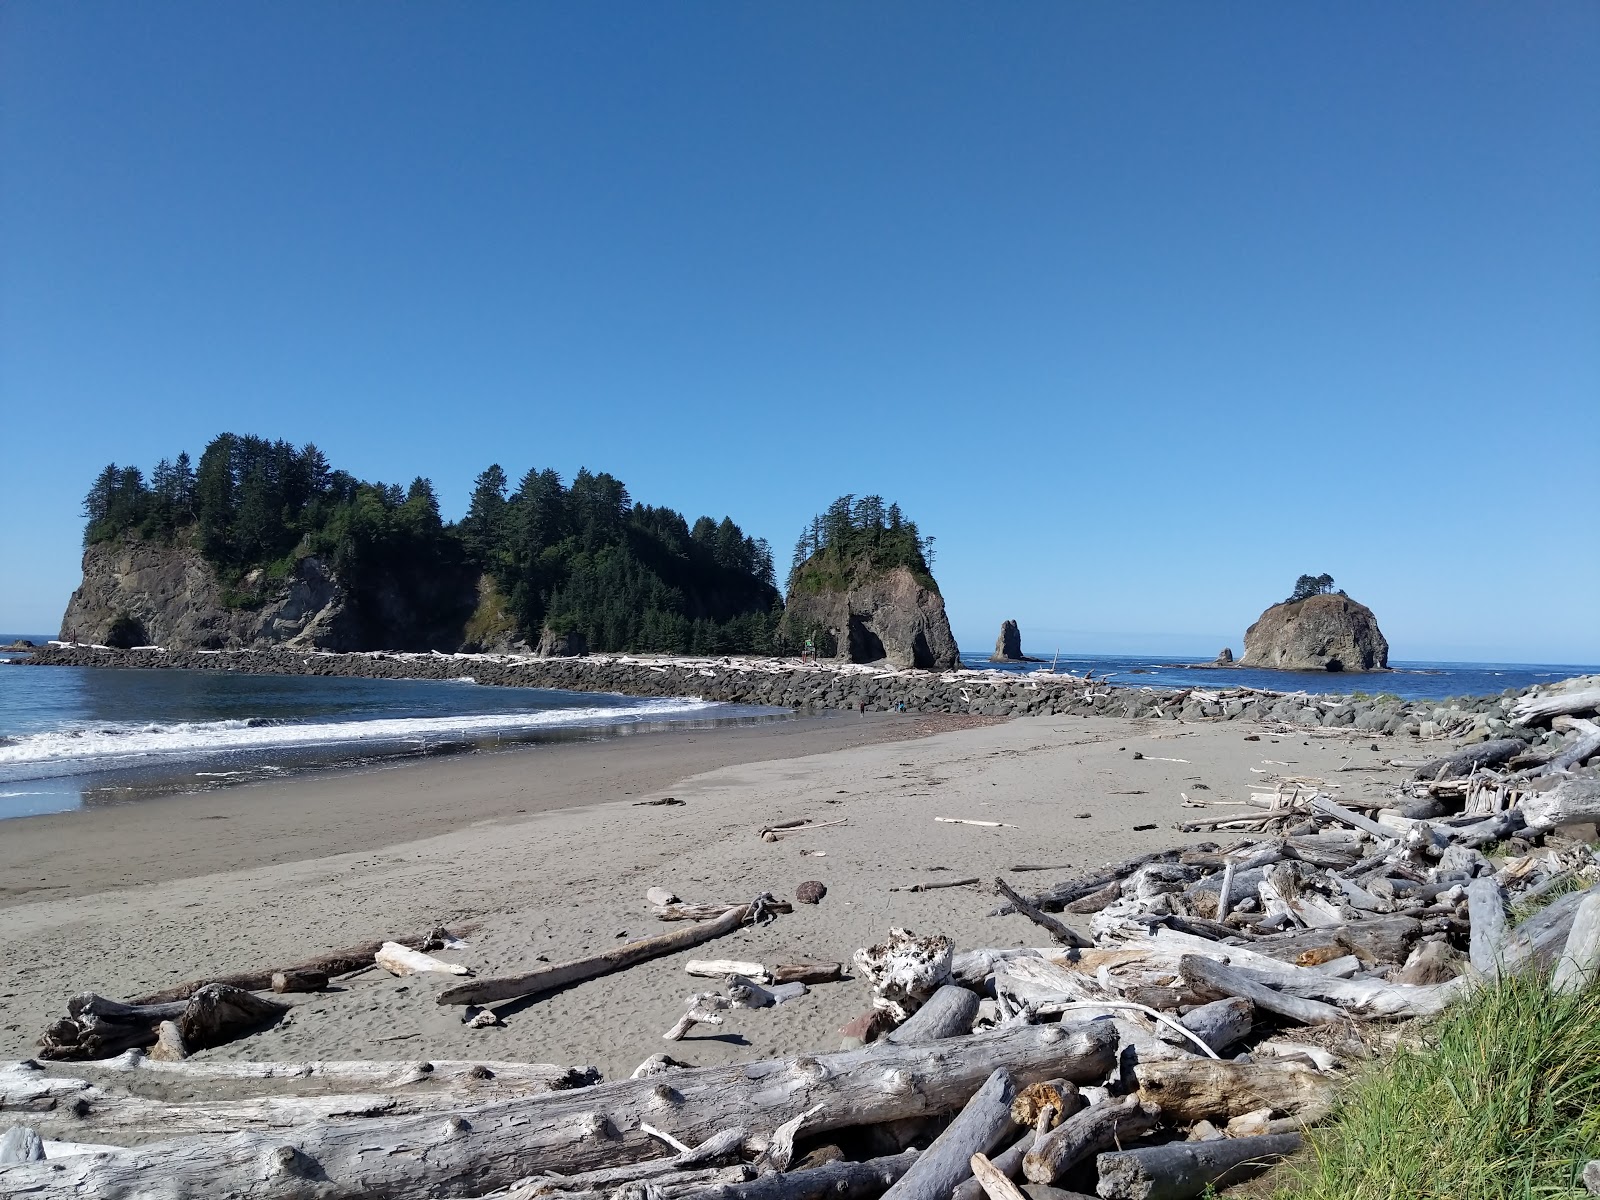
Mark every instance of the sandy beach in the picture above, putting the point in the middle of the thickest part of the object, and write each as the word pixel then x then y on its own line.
pixel 548 853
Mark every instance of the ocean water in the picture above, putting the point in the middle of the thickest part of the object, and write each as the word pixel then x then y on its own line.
pixel 1408 680
pixel 76 737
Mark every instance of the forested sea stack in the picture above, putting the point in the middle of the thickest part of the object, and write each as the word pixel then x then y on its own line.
pixel 861 589
pixel 264 543
pixel 1316 629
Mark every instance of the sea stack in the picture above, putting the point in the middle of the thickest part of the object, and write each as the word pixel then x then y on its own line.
pixel 866 614
pixel 1225 659
pixel 1008 646
pixel 1318 633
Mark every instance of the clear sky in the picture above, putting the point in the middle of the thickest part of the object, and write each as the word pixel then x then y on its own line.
pixel 1142 309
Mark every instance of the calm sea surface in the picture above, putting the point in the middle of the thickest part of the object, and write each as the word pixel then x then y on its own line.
pixel 74 737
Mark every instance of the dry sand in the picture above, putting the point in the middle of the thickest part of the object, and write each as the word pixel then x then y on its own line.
pixel 547 851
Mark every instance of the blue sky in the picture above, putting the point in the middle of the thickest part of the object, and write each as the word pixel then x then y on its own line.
pixel 1141 309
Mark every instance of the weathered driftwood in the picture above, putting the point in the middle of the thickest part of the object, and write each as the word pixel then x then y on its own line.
pixel 1219 1024
pixel 1539 940
pixel 335 962
pixel 1213 976
pixel 299 981
pixel 1586 746
pixel 1573 800
pixel 905 970
pixel 978 1128
pixel 1060 932
pixel 1182 1169
pixel 96 1027
pixel 1099 1127
pixel 1580 958
pixel 1378 940
pixel 717 968
pixel 495 1144
pixel 371 1075
pixel 532 983
pixel 995 1183
pixel 949 1012
pixel 1486 909
pixel 169 1045
pixel 1058 896
pixel 403 960
pixel 1008 1162
pixel 1468 759
pixel 832 1181
pixel 1572 704
pixel 807 972
pixel 1358 997
pixel 933 885
pixel 1205 1089
pixel 21 1144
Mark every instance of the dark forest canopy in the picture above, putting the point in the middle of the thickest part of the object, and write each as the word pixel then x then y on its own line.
pixel 580 557
pixel 854 533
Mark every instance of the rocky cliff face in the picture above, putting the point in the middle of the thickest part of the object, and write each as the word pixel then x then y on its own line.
pixel 872 615
pixel 1320 633
pixel 137 592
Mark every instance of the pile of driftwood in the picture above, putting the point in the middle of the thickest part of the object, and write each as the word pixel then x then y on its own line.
pixel 1185 1042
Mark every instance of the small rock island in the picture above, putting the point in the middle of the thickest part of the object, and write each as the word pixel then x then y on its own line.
pixel 1316 629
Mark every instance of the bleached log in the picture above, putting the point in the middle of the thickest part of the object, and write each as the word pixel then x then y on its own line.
pixel 832 1181
pixel 368 1074
pixel 1008 1162
pixel 1539 940
pixel 702 1008
pixel 978 1128
pixel 717 968
pixel 21 1144
pixel 1327 807
pixel 1219 1024
pixel 402 960
pixel 1096 1128
pixel 1207 974
pixel 1486 909
pixel 488 991
pixel 1058 896
pixel 335 962
pixel 1573 800
pixel 1182 1169
pixel 1205 1089
pixel 995 1183
pixel 807 972
pixel 1358 997
pixel 949 1012
pixel 497 1143
pixel 1538 708
pixel 169 1045
pixel 1580 958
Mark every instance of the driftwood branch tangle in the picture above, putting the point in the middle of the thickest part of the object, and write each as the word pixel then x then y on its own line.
pixel 489 1146
pixel 489 991
pixel 1062 933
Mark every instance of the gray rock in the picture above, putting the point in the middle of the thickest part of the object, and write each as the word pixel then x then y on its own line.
pixel 1320 633
pixel 1008 646
pixel 571 644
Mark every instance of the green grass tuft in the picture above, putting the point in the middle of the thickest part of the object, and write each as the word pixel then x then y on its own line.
pixel 1501 1103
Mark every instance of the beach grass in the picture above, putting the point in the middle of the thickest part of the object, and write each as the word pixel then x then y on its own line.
pixel 1501 1101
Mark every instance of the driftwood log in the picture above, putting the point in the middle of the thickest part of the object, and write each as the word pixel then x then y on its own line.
pixel 831 1181
pixel 532 983
pixel 979 1128
pixel 1580 958
pixel 1099 1127
pixel 1557 704
pixel 1468 759
pixel 96 1027
pixel 1203 1089
pixel 371 1075
pixel 494 1145
pixel 1182 1169
pixel 1573 800
pixel 949 1012
pixel 1061 933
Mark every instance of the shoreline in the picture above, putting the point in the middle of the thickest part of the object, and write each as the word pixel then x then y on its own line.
pixel 268 874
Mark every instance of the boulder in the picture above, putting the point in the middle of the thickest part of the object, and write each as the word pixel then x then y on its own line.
pixel 571 644
pixel 1319 633
pixel 866 614
pixel 1008 646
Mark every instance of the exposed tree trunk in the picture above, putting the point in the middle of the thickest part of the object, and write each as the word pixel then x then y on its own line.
pixel 949 1012
pixel 493 1145
pixel 1580 959
pixel 489 991
pixel 1103 1125
pixel 1179 1170
pixel 979 1128
pixel 1199 1089
pixel 1574 800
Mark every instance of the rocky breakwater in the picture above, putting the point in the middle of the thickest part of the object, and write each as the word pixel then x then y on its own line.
pixel 865 614
pixel 1318 633
pixel 786 683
